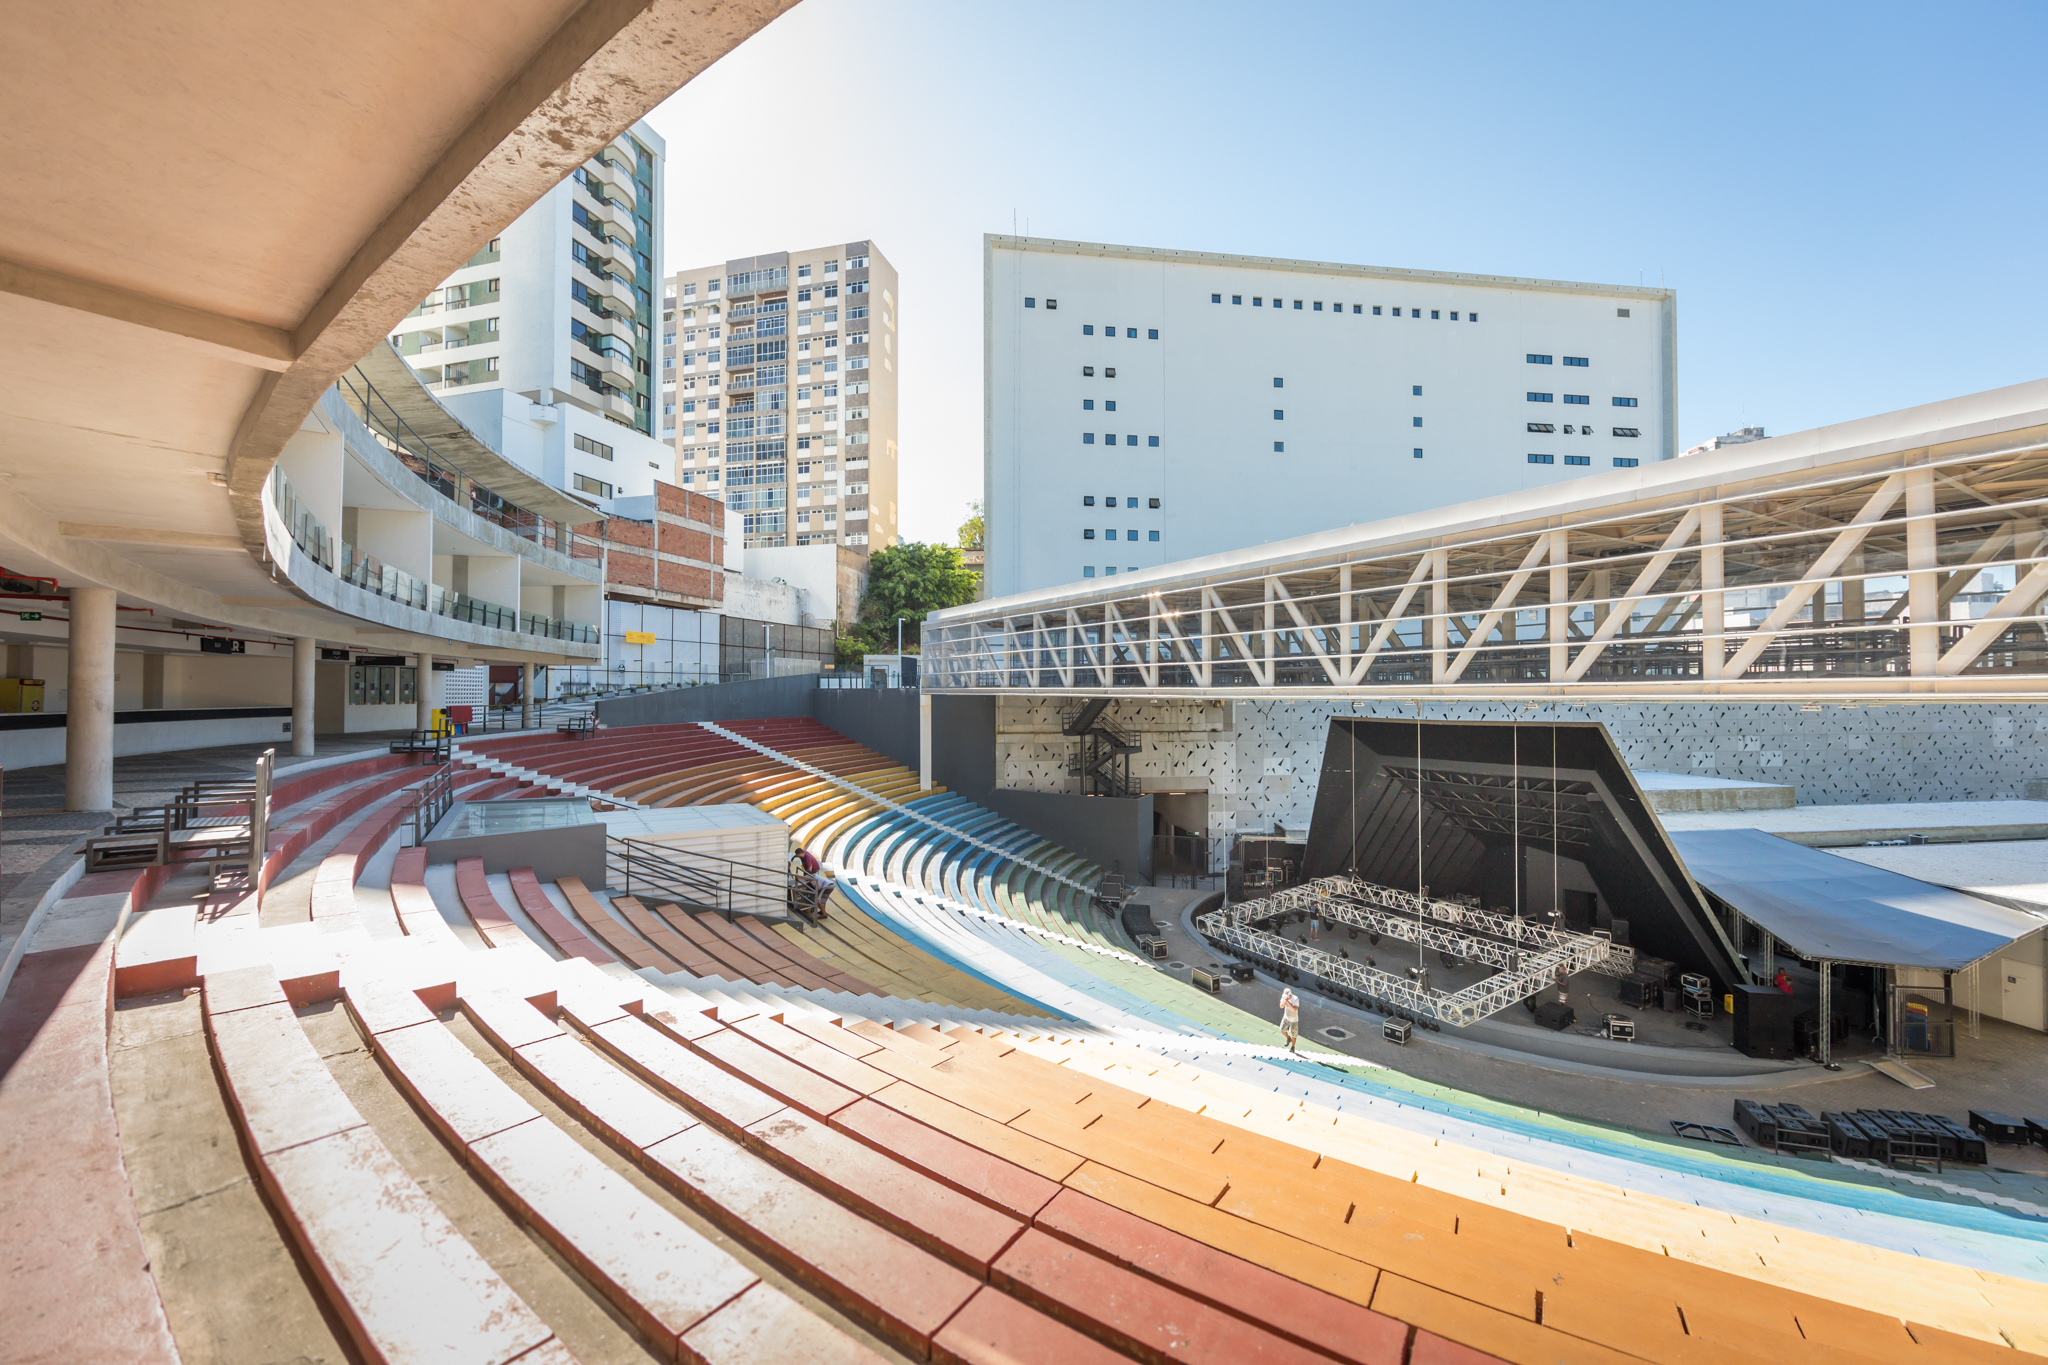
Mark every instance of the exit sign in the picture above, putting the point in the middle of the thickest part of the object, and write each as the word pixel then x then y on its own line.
pixel 31 616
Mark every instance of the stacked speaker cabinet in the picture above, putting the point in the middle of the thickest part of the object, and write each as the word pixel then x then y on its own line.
pixel 1763 1021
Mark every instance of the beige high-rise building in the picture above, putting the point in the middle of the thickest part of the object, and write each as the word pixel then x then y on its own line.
pixel 778 392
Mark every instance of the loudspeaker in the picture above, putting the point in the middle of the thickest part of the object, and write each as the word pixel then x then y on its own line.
pixel 1554 1016
pixel 1763 1021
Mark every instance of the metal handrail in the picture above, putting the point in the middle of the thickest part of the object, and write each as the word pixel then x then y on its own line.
pixel 663 874
pixel 431 799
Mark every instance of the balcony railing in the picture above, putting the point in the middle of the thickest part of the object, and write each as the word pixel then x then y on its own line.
pixel 413 451
pixel 374 576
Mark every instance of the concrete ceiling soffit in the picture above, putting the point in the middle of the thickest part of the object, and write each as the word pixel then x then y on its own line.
pixel 610 63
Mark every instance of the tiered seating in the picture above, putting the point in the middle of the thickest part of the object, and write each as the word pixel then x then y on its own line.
pixel 954 1195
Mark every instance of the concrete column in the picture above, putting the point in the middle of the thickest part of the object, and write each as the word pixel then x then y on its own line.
pixel 527 709
pixel 1713 577
pixel 1560 603
pixel 1923 580
pixel 924 741
pixel 1439 620
pixel 89 707
pixel 423 692
pixel 305 653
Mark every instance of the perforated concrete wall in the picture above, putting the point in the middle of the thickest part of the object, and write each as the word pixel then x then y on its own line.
pixel 1258 759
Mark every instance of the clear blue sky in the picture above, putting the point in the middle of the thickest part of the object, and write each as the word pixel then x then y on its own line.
pixel 1848 199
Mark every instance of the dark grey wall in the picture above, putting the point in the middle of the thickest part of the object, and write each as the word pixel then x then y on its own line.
pixel 759 699
pixel 882 718
pixel 964 745
pixel 1115 832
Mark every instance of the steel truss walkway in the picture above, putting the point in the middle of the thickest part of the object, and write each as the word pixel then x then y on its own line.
pixel 1902 555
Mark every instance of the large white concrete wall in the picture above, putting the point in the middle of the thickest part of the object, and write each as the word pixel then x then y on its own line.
pixel 1205 390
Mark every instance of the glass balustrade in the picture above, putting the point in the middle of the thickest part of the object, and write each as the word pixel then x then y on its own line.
pixel 394 584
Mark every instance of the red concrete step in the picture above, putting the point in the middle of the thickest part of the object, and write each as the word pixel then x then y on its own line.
pixel 568 938
pixel 664 1276
pixel 621 942
pixel 399 1276
pixel 75 1282
pixel 481 903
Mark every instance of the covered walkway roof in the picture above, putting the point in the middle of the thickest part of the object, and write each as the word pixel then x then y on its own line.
pixel 1837 910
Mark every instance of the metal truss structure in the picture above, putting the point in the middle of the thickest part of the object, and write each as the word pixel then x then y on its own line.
pixel 1525 954
pixel 1917 569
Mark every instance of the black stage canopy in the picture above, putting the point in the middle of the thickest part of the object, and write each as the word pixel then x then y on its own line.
pixel 1485 788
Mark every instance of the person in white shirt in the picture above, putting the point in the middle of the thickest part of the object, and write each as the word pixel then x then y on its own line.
pixel 1290 1017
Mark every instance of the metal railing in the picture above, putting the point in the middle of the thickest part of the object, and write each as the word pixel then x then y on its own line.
pixel 413 451
pixel 431 799
pixel 374 576
pixel 1526 955
pixel 706 882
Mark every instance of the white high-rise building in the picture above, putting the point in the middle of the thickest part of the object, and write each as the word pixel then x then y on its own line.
pixel 544 342
pixel 1144 406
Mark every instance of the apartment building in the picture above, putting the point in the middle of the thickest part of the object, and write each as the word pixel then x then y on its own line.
pixel 1147 406
pixel 543 342
pixel 778 393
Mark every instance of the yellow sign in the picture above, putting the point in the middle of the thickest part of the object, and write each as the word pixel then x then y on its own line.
pixel 639 637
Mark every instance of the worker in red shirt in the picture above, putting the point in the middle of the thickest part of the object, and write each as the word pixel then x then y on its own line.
pixel 1782 981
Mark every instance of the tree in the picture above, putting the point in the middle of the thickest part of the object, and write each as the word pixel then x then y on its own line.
pixel 905 582
pixel 971 531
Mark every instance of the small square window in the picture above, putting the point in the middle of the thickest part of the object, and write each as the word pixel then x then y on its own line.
pixel 1030 302
pixel 1279 383
pixel 1087 571
pixel 1151 440
pixel 1087 405
pixel 1418 421
pixel 1152 334
pixel 1416 389
pixel 1237 298
pixel 1279 446
pixel 1360 308
pixel 1153 503
pixel 1088 533
pixel 1109 405
pixel 1435 316
pixel 1052 303
pixel 1471 317
pixel 1109 534
pixel 1319 305
pixel 1375 310
pixel 1109 438
pixel 1154 535
pixel 1087 438
pixel 1109 371
pixel 1109 331
pixel 1418 452
pixel 1257 302
pixel 1087 499
pixel 1132 534
pixel 1131 333
pixel 1109 571
pixel 1087 329
pixel 1130 440
pixel 1297 305
pixel 1215 298
pixel 1454 315
pixel 1279 414
pixel 1621 312
pixel 1088 371
pixel 1414 312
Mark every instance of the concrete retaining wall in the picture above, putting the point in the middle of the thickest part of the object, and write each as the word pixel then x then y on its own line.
pixel 38 741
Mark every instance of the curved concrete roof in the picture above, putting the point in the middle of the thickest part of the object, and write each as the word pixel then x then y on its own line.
pixel 398 384
pixel 225 207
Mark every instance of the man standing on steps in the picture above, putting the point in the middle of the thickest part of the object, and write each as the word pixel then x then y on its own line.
pixel 1290 1017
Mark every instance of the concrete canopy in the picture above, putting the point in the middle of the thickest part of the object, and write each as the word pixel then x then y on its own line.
pixel 219 209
